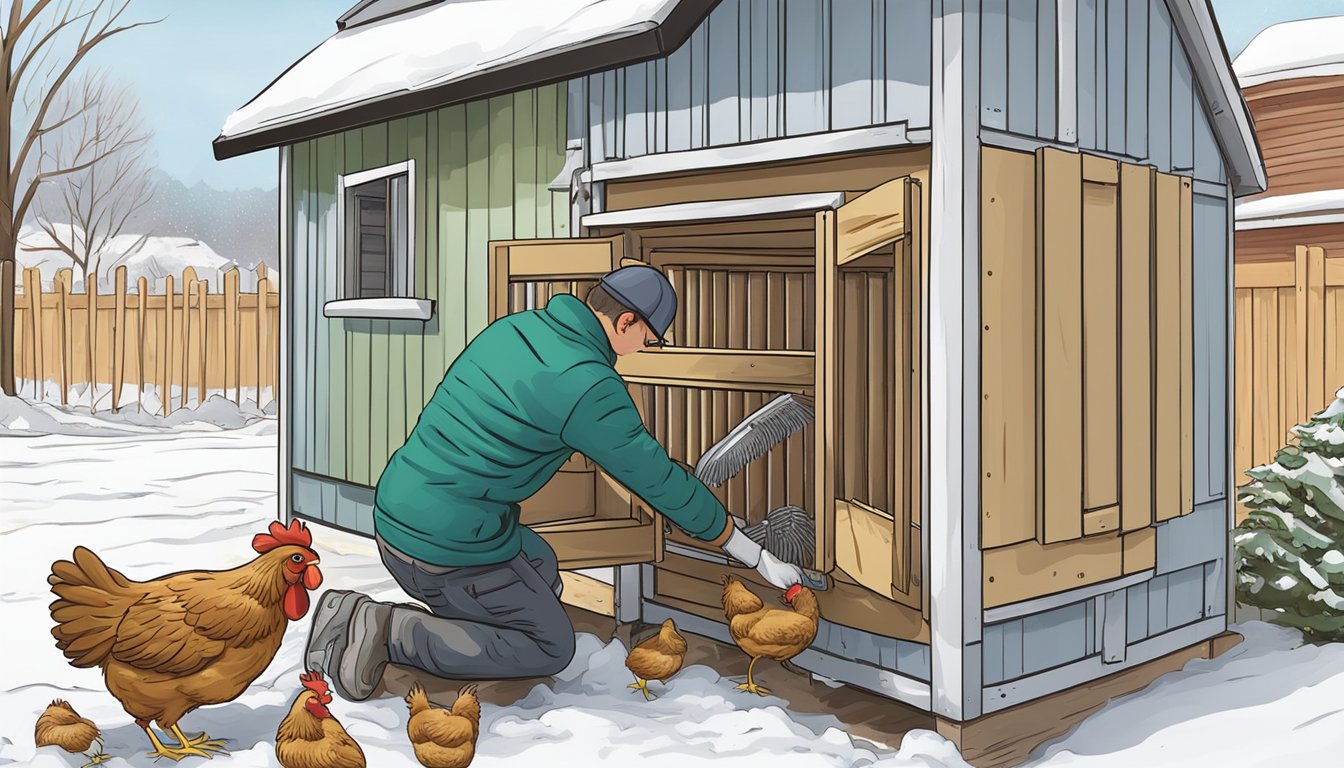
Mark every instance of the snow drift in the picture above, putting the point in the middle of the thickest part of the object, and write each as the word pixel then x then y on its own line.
pixel 21 417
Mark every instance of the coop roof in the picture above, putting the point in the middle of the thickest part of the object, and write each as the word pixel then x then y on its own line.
pixel 1306 48
pixel 391 58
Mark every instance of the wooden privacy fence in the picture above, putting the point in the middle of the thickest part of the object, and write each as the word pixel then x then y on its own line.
pixel 184 338
pixel 1290 349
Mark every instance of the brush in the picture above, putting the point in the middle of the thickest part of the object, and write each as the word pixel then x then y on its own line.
pixel 765 428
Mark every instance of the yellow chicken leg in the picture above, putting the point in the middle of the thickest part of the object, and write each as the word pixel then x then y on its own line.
pixel 750 686
pixel 201 746
pixel 642 686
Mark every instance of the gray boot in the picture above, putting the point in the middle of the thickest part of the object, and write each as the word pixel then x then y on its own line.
pixel 327 636
pixel 361 666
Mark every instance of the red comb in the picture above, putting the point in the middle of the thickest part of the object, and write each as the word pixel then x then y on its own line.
pixel 793 592
pixel 313 681
pixel 279 536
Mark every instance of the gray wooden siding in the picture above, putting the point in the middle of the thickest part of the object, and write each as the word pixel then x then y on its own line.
pixel 1042 641
pixel 1212 273
pixel 762 69
pixel 481 172
pixel 1134 86
pixel 903 656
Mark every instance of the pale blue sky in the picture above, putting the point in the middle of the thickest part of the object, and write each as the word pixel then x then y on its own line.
pixel 211 56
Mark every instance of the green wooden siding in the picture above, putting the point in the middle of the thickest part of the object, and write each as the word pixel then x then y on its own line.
pixel 481 174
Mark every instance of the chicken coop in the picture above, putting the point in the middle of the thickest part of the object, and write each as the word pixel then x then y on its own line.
pixel 990 242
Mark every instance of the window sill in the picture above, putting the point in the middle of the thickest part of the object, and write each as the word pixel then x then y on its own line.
pixel 381 309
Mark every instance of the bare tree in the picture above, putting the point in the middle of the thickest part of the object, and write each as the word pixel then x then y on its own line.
pixel 42 43
pixel 108 143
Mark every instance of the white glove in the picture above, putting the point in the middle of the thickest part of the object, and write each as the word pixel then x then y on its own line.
pixel 771 568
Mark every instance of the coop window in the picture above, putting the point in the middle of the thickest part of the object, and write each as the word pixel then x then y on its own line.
pixel 378 243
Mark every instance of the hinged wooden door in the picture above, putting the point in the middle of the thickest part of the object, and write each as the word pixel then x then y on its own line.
pixel 583 513
pixel 867 391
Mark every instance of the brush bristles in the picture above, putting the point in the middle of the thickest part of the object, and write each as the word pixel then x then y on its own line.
pixel 758 433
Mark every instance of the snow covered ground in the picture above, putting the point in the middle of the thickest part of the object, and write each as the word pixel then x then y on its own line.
pixel 157 500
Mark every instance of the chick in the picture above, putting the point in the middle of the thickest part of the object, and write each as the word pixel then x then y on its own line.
pixel 658 658
pixel 61 726
pixel 444 738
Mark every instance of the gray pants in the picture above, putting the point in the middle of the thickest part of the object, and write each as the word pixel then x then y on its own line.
pixel 485 622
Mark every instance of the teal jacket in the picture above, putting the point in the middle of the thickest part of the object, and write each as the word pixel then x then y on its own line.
pixel 530 390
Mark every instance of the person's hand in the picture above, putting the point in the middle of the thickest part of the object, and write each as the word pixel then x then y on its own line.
pixel 778 572
pixel 771 568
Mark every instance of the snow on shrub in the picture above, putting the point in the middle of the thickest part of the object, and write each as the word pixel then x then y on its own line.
pixel 1289 558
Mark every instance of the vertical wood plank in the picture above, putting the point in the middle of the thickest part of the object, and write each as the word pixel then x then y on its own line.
pixel 166 346
pixel 1100 346
pixel 1319 392
pixel 92 318
pixel 141 305
pixel 1059 463
pixel 32 290
pixel 854 379
pixel 796 332
pixel 1008 308
pixel 1265 435
pixel 758 474
pixel 737 339
pixel 1167 282
pixel 65 314
pixel 1292 364
pixel 1187 326
pixel 776 325
pixel 692 338
pixel 119 338
pixel 203 335
pixel 1247 396
pixel 824 426
pixel 264 351
pixel 1136 353
pixel 879 464
pixel 188 292
pixel 232 355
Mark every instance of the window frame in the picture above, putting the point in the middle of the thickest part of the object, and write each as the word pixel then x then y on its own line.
pixel 402 279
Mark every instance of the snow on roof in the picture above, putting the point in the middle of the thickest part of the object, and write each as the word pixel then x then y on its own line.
pixel 436 45
pixel 1306 48
pixel 1323 206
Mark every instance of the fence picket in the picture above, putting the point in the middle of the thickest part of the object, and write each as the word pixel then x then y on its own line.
pixel 119 338
pixel 188 290
pixel 166 347
pixel 148 344
pixel 91 322
pixel 231 357
pixel 32 288
pixel 141 304
pixel 65 318
pixel 202 353
pixel 263 333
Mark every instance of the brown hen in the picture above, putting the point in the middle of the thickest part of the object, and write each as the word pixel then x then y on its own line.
pixel 310 737
pixel 444 738
pixel 769 633
pixel 170 645
pixel 61 726
pixel 658 658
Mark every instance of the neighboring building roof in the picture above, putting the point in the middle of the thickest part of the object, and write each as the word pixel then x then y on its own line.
pixel 1306 48
pixel 398 57
pixel 1320 207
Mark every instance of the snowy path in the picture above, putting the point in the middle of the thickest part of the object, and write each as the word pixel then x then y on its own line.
pixel 153 502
